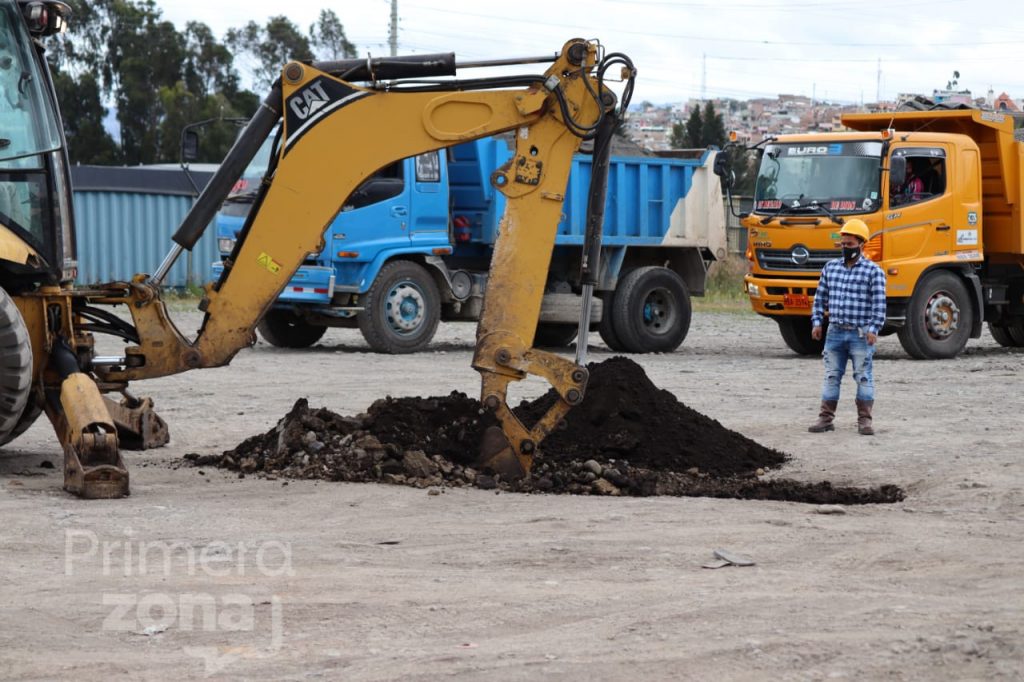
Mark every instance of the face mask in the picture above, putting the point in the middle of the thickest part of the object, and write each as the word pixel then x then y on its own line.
pixel 850 253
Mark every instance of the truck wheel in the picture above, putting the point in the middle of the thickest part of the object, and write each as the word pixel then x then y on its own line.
pixel 15 368
pixel 651 311
pixel 401 310
pixel 796 332
pixel 939 318
pixel 1016 332
pixel 1002 335
pixel 555 334
pixel 606 328
pixel 285 329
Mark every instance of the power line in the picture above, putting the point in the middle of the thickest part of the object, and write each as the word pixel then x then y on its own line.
pixel 713 39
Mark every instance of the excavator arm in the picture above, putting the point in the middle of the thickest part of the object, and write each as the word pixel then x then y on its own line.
pixel 335 134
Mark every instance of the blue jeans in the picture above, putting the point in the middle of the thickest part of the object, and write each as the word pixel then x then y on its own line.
pixel 842 345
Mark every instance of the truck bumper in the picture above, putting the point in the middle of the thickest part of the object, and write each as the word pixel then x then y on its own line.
pixel 776 297
pixel 310 284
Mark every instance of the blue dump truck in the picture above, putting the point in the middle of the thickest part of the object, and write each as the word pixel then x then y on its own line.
pixel 411 248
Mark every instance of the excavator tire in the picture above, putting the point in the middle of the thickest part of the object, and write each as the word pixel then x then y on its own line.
pixel 15 369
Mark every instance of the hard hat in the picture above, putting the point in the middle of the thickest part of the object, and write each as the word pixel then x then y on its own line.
pixel 856 227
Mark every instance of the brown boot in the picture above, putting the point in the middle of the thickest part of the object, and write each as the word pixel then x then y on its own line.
pixel 825 417
pixel 864 417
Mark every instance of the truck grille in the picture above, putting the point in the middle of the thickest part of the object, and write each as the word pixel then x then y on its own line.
pixel 797 258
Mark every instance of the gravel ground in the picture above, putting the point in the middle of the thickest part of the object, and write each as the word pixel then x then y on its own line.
pixel 200 573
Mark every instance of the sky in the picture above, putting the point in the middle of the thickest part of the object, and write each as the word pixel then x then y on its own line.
pixel 837 50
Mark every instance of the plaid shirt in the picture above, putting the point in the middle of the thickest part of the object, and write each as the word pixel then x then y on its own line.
pixel 854 295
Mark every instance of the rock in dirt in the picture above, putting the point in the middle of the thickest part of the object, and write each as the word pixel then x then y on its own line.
pixel 628 437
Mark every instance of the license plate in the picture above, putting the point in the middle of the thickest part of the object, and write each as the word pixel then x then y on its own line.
pixel 796 301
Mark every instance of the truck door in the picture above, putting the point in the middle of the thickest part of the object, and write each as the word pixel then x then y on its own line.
pixel 375 216
pixel 429 219
pixel 919 216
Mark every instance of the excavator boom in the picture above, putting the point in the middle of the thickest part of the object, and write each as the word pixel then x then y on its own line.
pixel 334 134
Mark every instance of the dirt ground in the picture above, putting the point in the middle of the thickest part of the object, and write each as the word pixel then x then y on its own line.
pixel 200 573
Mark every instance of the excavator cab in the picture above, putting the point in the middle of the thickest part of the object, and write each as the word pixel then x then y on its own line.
pixel 36 230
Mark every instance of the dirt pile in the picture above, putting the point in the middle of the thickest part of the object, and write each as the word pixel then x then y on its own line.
pixel 627 438
pixel 625 416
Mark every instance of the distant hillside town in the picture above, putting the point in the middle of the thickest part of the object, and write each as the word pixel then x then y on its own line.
pixel 650 126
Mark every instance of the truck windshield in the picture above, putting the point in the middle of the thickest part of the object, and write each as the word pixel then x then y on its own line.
pixel 245 188
pixel 842 177
pixel 28 130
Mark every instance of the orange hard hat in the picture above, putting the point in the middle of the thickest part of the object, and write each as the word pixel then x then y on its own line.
pixel 856 227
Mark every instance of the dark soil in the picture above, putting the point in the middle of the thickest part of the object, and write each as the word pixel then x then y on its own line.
pixel 628 437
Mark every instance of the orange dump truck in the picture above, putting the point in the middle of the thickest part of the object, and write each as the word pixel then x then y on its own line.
pixel 941 192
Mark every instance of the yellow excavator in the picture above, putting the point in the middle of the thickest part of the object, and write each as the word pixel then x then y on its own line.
pixel 338 123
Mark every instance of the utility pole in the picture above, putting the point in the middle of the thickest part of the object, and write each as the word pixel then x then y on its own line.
pixel 393 29
pixel 704 78
pixel 878 83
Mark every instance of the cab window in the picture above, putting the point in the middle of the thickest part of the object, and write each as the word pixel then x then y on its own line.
pixel 386 183
pixel 925 177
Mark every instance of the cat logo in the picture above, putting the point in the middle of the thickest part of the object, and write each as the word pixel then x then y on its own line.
pixel 309 100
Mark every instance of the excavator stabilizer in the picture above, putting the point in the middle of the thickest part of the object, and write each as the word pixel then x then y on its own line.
pixel 93 467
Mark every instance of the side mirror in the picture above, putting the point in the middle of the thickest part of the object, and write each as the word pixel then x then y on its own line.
pixel 721 167
pixel 189 146
pixel 897 170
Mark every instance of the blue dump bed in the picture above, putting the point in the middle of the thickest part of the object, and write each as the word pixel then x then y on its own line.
pixel 642 206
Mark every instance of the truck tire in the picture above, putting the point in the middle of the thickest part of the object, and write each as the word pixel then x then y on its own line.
pixel 1002 335
pixel 285 329
pixel 555 334
pixel 401 310
pixel 1016 332
pixel 15 368
pixel 607 328
pixel 651 311
pixel 939 318
pixel 796 332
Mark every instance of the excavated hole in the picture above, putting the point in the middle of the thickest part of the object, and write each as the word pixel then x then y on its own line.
pixel 628 437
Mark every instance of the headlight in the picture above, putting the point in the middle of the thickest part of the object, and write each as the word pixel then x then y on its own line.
pixel 226 246
pixel 753 290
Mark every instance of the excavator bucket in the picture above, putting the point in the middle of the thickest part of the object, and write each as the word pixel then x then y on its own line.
pixel 497 455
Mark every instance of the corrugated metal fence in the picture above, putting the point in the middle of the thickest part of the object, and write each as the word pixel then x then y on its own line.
pixel 124 219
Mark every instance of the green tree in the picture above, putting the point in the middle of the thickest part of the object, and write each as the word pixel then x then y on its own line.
pixel 209 65
pixel 88 140
pixel 145 54
pixel 123 52
pixel 712 128
pixel 270 47
pixel 327 36
pixel 694 130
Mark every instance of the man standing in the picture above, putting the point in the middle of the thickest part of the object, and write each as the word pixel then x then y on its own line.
pixel 852 291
